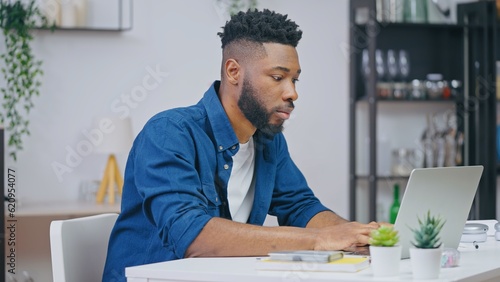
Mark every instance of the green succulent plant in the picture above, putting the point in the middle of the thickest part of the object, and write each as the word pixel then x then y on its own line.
pixel 426 236
pixel 384 236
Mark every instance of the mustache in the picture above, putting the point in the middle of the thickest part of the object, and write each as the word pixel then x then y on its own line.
pixel 289 105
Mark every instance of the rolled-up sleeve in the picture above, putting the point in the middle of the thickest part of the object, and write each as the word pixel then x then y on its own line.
pixel 174 198
pixel 293 203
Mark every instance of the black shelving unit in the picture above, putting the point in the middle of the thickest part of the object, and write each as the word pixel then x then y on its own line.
pixel 479 21
pixel 434 48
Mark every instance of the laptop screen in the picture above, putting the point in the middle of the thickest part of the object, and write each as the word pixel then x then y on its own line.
pixel 447 192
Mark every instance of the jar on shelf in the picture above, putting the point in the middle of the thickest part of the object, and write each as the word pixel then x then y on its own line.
pixel 403 161
pixel 400 91
pixel 435 86
pixel 446 90
pixel 384 90
pixel 417 90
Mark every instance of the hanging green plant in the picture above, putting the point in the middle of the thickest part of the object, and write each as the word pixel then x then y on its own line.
pixel 234 6
pixel 21 69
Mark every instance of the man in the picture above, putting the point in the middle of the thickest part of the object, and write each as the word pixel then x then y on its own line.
pixel 200 180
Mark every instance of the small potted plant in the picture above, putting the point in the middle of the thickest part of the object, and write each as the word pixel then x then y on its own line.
pixel 426 254
pixel 384 251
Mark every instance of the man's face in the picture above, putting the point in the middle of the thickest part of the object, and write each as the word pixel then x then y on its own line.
pixel 268 89
pixel 255 111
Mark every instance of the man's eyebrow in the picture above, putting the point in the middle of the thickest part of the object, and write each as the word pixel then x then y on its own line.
pixel 285 69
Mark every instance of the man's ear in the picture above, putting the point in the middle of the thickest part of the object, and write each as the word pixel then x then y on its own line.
pixel 232 71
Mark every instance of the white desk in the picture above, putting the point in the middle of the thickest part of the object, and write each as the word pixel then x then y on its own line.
pixel 475 265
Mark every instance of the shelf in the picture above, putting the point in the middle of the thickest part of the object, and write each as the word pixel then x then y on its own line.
pixel 381 100
pixel 407 25
pixel 94 15
pixel 422 43
pixel 463 52
pixel 84 29
pixel 67 208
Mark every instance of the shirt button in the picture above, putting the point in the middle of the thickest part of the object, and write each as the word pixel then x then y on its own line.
pixel 220 148
pixel 226 166
pixel 234 147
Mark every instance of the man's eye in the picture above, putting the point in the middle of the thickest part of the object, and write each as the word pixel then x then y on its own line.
pixel 277 78
pixel 295 80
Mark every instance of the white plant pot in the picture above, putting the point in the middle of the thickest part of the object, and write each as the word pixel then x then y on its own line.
pixel 385 260
pixel 425 263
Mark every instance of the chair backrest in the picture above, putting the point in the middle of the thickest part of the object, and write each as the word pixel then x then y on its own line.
pixel 79 246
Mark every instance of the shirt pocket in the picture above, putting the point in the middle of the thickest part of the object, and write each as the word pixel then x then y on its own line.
pixel 212 197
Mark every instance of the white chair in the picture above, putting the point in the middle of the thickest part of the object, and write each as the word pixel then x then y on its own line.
pixel 79 246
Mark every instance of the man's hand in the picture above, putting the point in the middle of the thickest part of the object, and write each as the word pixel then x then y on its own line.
pixel 344 235
pixel 337 233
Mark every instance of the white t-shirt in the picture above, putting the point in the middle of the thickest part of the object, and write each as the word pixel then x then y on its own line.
pixel 241 187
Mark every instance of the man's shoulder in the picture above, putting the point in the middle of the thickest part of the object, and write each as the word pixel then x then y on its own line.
pixel 174 123
pixel 187 115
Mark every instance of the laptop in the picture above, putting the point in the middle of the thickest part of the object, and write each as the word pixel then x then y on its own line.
pixel 447 192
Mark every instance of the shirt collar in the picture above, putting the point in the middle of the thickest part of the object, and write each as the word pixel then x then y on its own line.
pixel 224 135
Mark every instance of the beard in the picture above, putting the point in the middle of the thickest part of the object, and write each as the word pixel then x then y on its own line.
pixel 253 109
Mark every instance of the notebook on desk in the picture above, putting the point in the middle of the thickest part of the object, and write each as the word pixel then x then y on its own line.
pixel 447 192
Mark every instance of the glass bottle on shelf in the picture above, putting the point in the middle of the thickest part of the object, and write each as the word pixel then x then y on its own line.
pixel 435 86
pixel 383 88
pixel 415 11
pixel 404 65
pixel 393 212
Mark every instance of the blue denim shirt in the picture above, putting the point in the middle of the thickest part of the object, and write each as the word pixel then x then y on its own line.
pixel 176 181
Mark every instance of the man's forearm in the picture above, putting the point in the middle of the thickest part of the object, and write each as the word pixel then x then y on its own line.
pixel 325 231
pixel 222 237
pixel 324 219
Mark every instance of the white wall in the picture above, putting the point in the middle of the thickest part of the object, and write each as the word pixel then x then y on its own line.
pixel 86 73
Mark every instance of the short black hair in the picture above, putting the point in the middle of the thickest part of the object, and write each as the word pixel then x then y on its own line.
pixel 261 27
